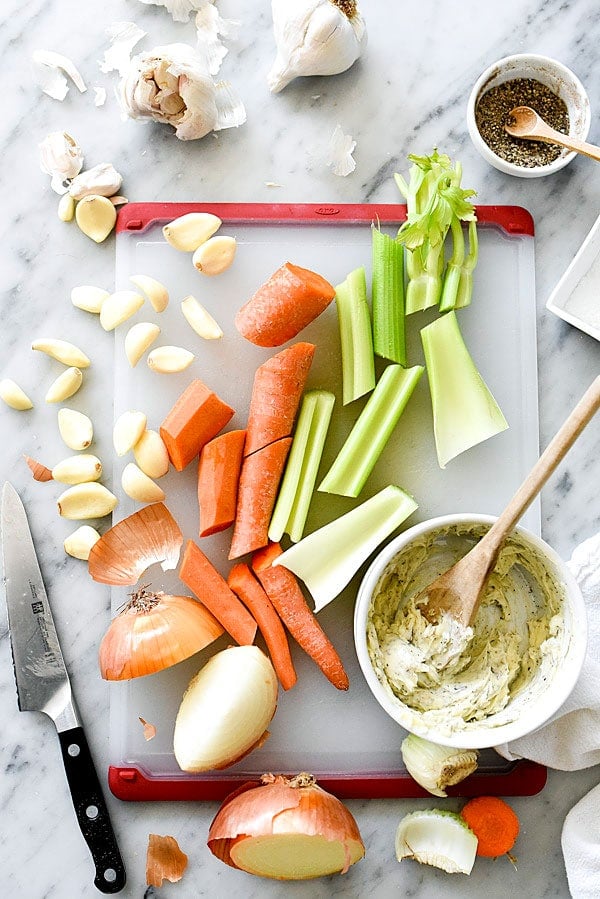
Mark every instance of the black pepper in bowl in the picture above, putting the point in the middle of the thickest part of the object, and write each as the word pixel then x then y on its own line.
pixel 492 113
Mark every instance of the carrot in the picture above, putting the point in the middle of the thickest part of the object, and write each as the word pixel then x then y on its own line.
pixel 197 416
pixel 204 580
pixel 285 304
pixel 283 590
pixel 259 480
pixel 494 824
pixel 218 475
pixel 247 588
pixel 276 393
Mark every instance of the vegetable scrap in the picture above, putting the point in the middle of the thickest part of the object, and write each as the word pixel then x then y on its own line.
pixel 123 37
pixel 439 838
pixel 339 153
pixel 149 729
pixel 494 823
pixel 61 157
pixel 40 472
pixel 210 28
pixel 179 9
pixel 436 767
pixel 164 860
pixel 50 69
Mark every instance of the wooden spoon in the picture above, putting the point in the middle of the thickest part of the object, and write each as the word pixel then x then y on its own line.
pixel 460 589
pixel 523 121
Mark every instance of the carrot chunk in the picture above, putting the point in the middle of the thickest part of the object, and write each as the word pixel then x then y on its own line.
pixel 197 416
pixel 494 823
pixel 285 304
pixel 203 579
pixel 218 475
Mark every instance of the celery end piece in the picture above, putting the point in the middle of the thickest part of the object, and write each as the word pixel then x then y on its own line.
pixel 450 289
pixel 327 559
pixel 464 411
pixel 358 363
pixel 389 340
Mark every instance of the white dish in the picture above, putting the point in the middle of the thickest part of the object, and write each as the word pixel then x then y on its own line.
pixel 576 297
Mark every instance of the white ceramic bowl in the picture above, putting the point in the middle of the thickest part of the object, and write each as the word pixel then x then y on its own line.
pixel 528 709
pixel 554 75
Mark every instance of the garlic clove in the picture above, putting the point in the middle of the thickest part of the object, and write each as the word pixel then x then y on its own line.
pixel 187 232
pixel 215 255
pixel 83 501
pixel 75 428
pixel 118 307
pixel 62 351
pixel 156 292
pixel 118 200
pixel 128 429
pixel 78 469
pixel 89 298
pixel 14 396
pixel 80 542
pixel 102 180
pixel 139 486
pixel 150 454
pixel 96 217
pixel 138 339
pixel 65 385
pixel 169 359
pixel 66 208
pixel 199 319
pixel 61 157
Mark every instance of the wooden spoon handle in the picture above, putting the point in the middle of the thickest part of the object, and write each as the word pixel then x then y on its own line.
pixel 565 140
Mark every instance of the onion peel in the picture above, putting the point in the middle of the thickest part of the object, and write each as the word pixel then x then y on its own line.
pixel 164 860
pixel 39 471
pixel 149 729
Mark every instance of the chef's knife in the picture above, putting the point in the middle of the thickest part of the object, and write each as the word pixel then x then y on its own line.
pixel 43 686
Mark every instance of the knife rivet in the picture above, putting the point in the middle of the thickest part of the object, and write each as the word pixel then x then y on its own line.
pixel 92 812
pixel 73 750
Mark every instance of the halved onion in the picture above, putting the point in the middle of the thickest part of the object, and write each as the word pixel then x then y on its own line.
pixel 39 471
pixel 153 632
pixel 164 860
pixel 125 551
pixel 285 828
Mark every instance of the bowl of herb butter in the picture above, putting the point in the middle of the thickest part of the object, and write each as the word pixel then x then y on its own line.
pixel 487 684
pixel 545 85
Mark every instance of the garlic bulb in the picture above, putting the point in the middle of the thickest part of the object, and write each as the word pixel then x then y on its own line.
pixel 171 84
pixel 315 37
pixel 61 157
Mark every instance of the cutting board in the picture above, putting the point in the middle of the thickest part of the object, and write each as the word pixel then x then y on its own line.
pixel 345 739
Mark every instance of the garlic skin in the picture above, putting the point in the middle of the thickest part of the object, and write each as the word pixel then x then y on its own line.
pixel 171 84
pixel 103 180
pixel 61 157
pixel 315 37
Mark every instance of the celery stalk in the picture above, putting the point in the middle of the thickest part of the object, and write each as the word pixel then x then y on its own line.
pixel 465 287
pixel 358 363
pixel 371 431
pixel 454 268
pixel 464 411
pixel 295 494
pixel 327 559
pixel 388 297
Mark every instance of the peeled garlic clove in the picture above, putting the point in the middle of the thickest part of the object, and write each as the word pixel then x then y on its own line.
pixel 86 501
pixel 215 255
pixel 118 307
pixel 169 359
pixel 128 429
pixel 62 351
pixel 80 542
pixel 189 231
pixel 139 486
pixel 102 180
pixel 138 339
pixel 199 319
pixel 96 217
pixel 75 428
pixel 150 454
pixel 78 469
pixel 66 208
pixel 89 298
pixel 65 386
pixel 156 292
pixel 13 396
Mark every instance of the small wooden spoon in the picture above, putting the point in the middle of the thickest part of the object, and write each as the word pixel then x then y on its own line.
pixel 523 121
pixel 460 589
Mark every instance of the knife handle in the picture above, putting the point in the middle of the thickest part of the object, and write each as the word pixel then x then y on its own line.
pixel 91 810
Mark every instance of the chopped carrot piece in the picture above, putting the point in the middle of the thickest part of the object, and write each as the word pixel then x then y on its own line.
pixel 218 476
pixel 264 557
pixel 197 416
pixel 259 480
pixel 283 590
pixel 285 304
pixel 276 394
pixel 203 579
pixel 494 823
pixel 247 588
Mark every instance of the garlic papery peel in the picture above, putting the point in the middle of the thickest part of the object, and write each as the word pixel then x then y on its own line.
pixel 171 84
pixel 49 67
pixel 123 37
pixel 156 292
pixel 210 27
pixel 99 96
pixel 315 37
pixel 436 767
pixel 102 180
pixel 149 729
pixel 179 9
pixel 39 471
pixel 126 550
pixel 339 155
pixel 61 157
pixel 164 858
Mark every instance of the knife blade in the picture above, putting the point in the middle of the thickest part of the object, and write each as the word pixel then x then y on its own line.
pixel 43 685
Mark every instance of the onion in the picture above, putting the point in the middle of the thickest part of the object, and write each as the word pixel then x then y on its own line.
pixel 226 709
pixel 285 828
pixel 155 631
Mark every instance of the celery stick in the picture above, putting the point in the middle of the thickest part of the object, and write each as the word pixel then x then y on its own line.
pixel 465 287
pixel 358 363
pixel 453 269
pixel 295 494
pixel 464 411
pixel 327 559
pixel 388 297
pixel 371 431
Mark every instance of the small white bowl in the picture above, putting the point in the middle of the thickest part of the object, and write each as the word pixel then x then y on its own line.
pixel 531 706
pixel 575 297
pixel 554 75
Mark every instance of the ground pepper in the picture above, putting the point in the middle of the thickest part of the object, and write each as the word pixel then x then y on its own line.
pixel 491 114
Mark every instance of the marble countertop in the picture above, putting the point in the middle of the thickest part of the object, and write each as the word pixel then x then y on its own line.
pixel 408 94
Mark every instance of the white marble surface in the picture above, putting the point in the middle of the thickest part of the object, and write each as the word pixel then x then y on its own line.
pixel 406 95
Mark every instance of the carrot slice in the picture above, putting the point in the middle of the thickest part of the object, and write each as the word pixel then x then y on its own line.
pixel 247 588
pixel 197 416
pixel 283 590
pixel 276 393
pixel 218 476
pixel 259 480
pixel 206 583
pixel 285 304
